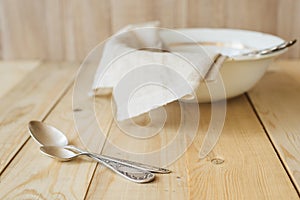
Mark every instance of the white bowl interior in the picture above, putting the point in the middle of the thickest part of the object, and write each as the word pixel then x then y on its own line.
pixel 238 75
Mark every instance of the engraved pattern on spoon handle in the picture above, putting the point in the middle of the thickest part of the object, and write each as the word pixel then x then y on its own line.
pixel 125 162
pixel 137 165
pixel 128 172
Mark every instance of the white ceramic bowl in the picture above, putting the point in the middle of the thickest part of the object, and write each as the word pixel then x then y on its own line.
pixel 238 75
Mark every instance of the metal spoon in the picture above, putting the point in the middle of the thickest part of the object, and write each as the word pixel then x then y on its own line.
pixel 46 135
pixel 266 51
pixel 130 173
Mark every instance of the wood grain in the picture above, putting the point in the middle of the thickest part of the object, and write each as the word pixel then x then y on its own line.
pixel 233 14
pixel 14 72
pixel 1 23
pixel 31 99
pixel 242 151
pixel 171 13
pixel 69 29
pixel 32 29
pixel 168 186
pixel 258 15
pixel 128 12
pixel 276 99
pixel 243 165
pixel 86 24
pixel 53 30
pixel 32 168
pixel 206 13
pixel 287 19
pixel 60 180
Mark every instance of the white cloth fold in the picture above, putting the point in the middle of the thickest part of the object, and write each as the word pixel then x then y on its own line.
pixel 144 74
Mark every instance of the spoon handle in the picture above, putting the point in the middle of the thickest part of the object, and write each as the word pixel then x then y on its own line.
pixel 136 164
pixel 266 51
pixel 126 162
pixel 129 172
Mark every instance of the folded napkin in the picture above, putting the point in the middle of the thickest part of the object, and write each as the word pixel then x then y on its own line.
pixel 143 74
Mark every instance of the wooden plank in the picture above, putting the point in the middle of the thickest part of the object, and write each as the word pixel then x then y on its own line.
pixel 252 15
pixel 288 16
pixel 171 14
pixel 13 72
pixel 32 29
pixel 40 177
pixel 243 165
pixel 1 32
pixel 129 12
pixel 248 166
pixel 31 99
pixel 68 30
pixel 233 14
pixel 206 13
pixel 168 186
pixel 53 30
pixel 250 169
pixel 276 98
pixel 86 24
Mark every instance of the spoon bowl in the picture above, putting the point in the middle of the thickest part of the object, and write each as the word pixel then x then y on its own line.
pixel 46 135
pixel 59 153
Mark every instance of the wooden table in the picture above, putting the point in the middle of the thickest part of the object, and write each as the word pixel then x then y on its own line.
pixel 257 156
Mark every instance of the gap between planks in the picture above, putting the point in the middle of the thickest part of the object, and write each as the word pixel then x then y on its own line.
pixel 272 142
pixel 57 178
pixel 240 145
pixel 276 100
pixel 43 119
pixel 38 112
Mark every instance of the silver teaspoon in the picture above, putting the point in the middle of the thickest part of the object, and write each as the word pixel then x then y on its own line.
pixel 47 135
pixel 270 50
pixel 128 172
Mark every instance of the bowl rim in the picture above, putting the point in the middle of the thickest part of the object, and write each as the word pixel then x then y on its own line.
pixel 241 58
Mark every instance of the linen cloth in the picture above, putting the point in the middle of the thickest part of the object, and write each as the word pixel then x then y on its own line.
pixel 143 73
